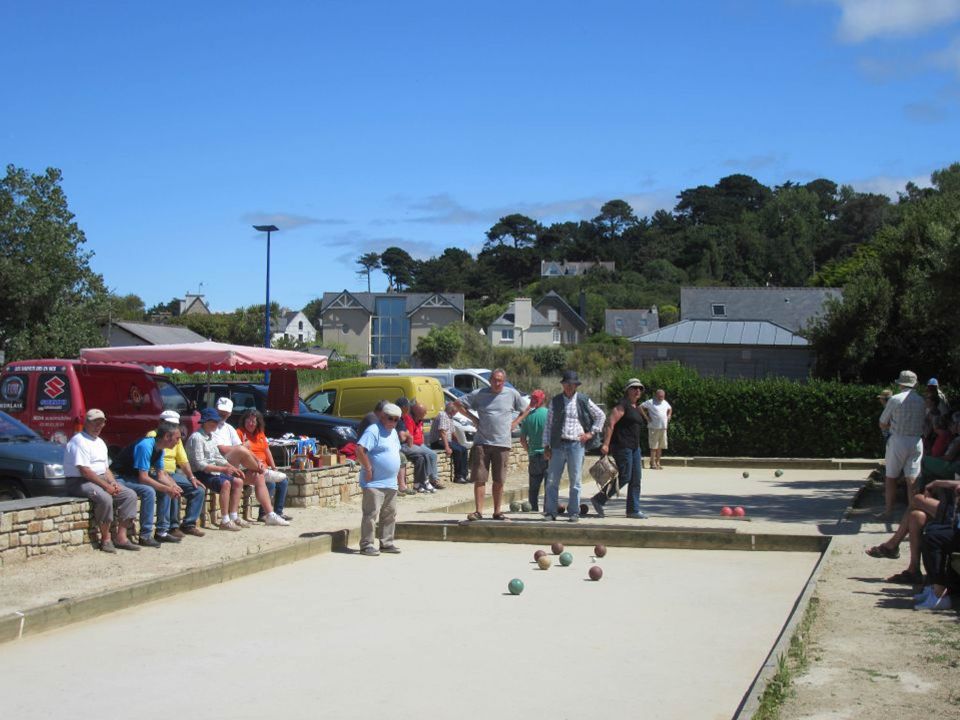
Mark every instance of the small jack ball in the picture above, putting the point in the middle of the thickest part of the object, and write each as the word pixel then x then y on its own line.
pixel 557 548
pixel 746 474
pixel 566 558
pixel 599 550
pixel 515 586
pixel 595 572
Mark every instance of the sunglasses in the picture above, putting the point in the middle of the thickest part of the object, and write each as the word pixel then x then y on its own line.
pixel 391 417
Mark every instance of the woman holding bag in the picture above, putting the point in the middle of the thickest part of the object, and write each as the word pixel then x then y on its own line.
pixel 622 441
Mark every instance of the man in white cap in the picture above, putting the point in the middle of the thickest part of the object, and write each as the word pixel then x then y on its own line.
pixel 177 466
pixel 378 452
pixel 903 417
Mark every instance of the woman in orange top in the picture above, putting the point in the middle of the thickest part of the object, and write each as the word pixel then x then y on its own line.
pixel 253 436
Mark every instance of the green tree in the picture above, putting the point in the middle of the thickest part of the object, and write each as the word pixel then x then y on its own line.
pixel 440 346
pixel 398 266
pixel 126 307
pixel 50 298
pixel 368 262
pixel 521 230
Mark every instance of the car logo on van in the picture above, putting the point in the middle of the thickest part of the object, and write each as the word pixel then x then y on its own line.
pixel 53 388
pixel 136 396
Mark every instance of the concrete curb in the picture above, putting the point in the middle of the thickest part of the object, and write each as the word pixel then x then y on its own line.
pixel 780 463
pixel 751 699
pixel 71 610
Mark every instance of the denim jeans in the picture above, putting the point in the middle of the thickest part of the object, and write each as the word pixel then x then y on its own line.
pixel 536 472
pixel 630 468
pixel 569 453
pixel 194 497
pixel 459 457
pixel 424 462
pixel 278 495
pixel 149 502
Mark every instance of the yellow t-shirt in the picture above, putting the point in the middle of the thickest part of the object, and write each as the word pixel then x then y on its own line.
pixel 172 457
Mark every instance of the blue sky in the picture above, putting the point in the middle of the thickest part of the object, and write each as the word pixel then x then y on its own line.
pixel 354 126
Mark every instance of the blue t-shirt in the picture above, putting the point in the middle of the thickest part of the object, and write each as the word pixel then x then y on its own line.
pixel 383 449
pixel 146 456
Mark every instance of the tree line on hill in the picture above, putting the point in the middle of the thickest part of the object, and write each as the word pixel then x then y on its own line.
pixel 896 260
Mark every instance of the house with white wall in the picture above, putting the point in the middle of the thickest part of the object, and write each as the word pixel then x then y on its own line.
pixel 522 326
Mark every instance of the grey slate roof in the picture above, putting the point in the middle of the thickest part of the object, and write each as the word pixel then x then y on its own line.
pixel 413 300
pixel 792 308
pixel 161 334
pixel 508 318
pixel 722 332
pixel 552 299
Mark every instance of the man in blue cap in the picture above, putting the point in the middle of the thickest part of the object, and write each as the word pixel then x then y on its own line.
pixel 213 470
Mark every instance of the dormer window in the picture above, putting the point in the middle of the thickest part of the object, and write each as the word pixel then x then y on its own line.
pixel 718 310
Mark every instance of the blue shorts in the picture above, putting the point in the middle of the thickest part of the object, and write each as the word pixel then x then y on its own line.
pixel 214 481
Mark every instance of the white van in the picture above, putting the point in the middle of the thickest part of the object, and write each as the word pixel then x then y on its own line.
pixel 466 380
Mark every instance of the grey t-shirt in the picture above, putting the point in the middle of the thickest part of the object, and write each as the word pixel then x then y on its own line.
pixel 496 412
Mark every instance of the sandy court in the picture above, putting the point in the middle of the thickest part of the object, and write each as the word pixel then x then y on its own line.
pixel 664 634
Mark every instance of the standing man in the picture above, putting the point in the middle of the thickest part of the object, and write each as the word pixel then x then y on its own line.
pixel 658 413
pixel 140 467
pixel 903 416
pixel 622 440
pixel 86 465
pixel 378 452
pixel 531 437
pixel 573 422
pixel 492 409
pixel 442 431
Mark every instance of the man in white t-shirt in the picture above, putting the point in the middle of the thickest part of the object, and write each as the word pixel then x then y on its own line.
pixel 87 468
pixel 657 412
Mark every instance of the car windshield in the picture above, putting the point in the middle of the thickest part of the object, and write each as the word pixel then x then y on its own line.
pixel 11 429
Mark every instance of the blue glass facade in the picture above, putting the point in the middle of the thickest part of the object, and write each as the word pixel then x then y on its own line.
pixel 390 337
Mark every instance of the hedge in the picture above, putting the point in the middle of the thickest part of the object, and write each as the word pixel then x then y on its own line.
pixel 762 418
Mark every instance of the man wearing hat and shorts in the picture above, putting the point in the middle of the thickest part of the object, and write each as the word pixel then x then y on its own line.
pixel 903 416
pixel 573 422
pixel 86 465
pixel 214 471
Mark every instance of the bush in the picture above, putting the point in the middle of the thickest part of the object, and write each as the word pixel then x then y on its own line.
pixel 762 418
pixel 550 360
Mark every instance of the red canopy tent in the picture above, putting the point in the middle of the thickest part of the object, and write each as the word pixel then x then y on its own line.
pixel 209 356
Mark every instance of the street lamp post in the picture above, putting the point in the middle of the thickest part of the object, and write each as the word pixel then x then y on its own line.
pixel 266 311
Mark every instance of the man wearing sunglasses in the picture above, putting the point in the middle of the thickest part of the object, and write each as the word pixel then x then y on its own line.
pixel 378 452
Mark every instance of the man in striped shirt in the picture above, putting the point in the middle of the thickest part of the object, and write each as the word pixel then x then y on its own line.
pixel 903 416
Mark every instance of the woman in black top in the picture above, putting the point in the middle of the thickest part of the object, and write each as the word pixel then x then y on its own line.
pixel 622 440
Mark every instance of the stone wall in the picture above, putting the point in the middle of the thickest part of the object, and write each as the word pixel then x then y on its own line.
pixel 36 526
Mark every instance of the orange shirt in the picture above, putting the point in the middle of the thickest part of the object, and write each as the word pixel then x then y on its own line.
pixel 258 446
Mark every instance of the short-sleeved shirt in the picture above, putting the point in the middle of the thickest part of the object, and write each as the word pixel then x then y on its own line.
pixel 905 413
pixel 85 451
pixel 657 410
pixel 414 427
pixel 383 450
pixel 532 429
pixel 202 449
pixel 259 445
pixel 174 457
pixel 143 456
pixel 441 423
pixel 226 434
pixel 496 413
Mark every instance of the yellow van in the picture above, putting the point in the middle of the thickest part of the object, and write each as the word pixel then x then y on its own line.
pixel 355 397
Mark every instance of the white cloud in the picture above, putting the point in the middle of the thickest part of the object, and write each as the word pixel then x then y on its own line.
pixel 288 221
pixel 888 185
pixel 948 58
pixel 862 20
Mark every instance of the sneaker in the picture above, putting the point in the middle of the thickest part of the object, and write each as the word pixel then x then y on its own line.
pixel 420 488
pixel 461 481
pixel 193 530
pixel 574 518
pixel 597 507
pixel 147 541
pixel 177 533
pixel 274 519
pixel 167 538
pixel 241 523
pixel 369 551
pixel 390 549
pixel 935 603
pixel 107 547
pixel 636 515
pixel 437 485
pixel 427 487
pixel 924 594
pixel 229 525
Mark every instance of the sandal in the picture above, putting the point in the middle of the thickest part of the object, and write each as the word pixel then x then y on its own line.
pixel 905 577
pixel 882 551
pixel 500 516
pixel 475 516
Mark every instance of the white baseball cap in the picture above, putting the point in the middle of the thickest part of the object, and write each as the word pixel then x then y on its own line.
pixel 225 404
pixel 170 416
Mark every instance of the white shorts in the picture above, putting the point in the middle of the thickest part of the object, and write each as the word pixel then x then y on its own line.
pixel 903 456
pixel 658 438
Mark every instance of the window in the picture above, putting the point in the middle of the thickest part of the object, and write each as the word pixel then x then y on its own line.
pixel 618 326
pixel 171 397
pixel 718 310
pixel 506 335
pixel 556 336
pixel 322 401
pixel 243 400
pixel 300 326
pixel 390 337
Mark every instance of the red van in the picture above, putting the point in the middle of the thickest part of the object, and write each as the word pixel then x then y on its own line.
pixel 52 396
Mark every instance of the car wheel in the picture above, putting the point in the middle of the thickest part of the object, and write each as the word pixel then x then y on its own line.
pixel 11 490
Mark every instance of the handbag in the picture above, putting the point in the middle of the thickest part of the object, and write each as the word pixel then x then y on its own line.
pixel 603 471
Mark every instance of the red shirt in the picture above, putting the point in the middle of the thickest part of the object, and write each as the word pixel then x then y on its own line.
pixel 415 428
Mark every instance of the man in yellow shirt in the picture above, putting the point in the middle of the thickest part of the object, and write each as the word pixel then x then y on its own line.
pixel 177 465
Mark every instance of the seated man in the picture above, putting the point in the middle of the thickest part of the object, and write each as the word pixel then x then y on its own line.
pixel 177 465
pixel 423 458
pixel 441 437
pixel 140 468
pixel 214 471
pixel 238 454
pixel 86 466
pixel 940 540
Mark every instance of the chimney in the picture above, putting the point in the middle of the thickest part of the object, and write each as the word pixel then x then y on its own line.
pixel 522 310
pixel 583 306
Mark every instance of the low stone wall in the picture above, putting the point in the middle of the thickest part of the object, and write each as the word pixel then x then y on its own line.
pixel 330 486
pixel 36 526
